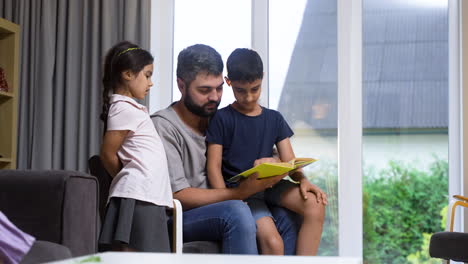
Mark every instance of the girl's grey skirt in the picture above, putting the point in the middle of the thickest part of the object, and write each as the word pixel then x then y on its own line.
pixel 136 224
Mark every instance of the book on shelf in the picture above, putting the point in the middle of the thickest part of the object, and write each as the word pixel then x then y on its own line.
pixel 3 81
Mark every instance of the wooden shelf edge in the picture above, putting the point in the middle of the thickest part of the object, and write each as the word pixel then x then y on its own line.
pixel 10 46
pixel 7 94
pixel 4 160
pixel 8 27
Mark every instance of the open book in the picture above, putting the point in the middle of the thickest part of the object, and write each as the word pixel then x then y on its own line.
pixel 267 169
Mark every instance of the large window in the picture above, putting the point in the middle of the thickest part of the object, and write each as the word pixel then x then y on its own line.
pixel 303 87
pixel 405 122
pixel 222 24
pixel 405 89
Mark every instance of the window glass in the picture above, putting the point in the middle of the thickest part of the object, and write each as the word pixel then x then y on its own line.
pixel 405 126
pixel 303 87
pixel 222 24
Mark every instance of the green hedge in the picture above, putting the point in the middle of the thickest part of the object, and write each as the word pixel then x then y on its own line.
pixel 400 204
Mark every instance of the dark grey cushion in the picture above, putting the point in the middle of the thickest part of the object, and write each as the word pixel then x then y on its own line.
pixel 204 247
pixel 43 251
pixel 97 170
pixel 449 245
pixel 53 205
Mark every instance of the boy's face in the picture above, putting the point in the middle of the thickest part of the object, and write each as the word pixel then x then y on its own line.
pixel 246 93
pixel 203 95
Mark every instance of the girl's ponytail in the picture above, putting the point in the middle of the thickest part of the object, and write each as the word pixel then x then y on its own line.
pixel 105 106
pixel 107 83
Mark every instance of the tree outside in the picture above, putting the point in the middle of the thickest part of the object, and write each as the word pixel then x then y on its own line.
pixel 402 207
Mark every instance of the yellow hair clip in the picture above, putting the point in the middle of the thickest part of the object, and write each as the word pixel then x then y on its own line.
pixel 129 49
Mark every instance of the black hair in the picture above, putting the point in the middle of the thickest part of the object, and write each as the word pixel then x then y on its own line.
pixel 198 58
pixel 244 65
pixel 121 57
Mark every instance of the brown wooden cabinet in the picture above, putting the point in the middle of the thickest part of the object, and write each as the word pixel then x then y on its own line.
pixel 9 62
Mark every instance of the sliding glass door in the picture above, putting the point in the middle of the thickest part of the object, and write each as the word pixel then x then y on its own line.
pixel 405 127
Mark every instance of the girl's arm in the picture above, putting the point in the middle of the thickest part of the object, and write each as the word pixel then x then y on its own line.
pixel 112 142
pixel 214 158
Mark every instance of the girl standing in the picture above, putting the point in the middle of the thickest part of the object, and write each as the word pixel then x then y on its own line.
pixel 133 154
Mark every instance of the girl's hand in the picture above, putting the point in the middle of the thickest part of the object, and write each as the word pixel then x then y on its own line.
pixel 306 187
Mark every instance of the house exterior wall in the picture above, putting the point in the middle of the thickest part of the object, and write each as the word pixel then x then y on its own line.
pixel 417 150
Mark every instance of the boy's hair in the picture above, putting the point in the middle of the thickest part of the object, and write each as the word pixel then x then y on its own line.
pixel 121 57
pixel 196 59
pixel 244 65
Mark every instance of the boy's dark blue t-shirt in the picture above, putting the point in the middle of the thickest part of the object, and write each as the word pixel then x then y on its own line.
pixel 246 138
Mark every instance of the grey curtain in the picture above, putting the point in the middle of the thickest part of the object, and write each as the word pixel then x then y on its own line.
pixel 63 43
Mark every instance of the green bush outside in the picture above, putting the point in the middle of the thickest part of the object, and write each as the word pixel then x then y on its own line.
pixel 326 178
pixel 401 207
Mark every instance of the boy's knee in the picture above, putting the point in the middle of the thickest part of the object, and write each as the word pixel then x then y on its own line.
pixel 276 243
pixel 273 244
pixel 314 209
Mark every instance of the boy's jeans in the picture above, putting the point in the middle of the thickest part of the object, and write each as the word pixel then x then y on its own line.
pixel 288 224
pixel 231 222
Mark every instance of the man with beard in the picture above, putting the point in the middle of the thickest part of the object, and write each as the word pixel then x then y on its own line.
pixel 209 214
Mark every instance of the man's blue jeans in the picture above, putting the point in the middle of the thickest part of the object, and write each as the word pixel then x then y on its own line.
pixel 231 222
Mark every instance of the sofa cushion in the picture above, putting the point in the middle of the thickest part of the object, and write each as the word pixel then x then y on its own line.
pixel 43 251
pixel 53 205
pixel 203 247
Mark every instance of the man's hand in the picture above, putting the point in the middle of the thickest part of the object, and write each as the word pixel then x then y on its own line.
pixel 252 184
pixel 306 187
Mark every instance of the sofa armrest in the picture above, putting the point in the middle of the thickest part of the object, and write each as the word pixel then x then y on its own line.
pixel 52 205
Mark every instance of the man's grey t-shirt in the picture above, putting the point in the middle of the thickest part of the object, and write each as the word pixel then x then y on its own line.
pixel 185 150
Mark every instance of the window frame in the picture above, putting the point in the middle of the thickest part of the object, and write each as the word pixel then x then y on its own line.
pixel 458 104
pixel 161 46
pixel 349 44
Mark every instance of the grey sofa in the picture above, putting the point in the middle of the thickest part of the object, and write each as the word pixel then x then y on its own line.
pixel 44 251
pixel 55 206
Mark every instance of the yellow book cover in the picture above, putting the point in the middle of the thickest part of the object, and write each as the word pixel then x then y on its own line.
pixel 267 169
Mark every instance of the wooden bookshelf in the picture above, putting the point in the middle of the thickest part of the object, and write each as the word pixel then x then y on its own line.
pixel 9 61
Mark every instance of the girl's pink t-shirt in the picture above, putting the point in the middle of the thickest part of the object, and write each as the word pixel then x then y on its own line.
pixel 144 175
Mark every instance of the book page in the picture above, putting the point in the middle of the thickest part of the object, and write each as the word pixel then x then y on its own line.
pixel 302 162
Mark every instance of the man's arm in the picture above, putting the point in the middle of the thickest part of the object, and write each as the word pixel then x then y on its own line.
pixel 214 155
pixel 196 197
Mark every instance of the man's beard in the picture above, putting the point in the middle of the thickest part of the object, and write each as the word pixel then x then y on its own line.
pixel 199 110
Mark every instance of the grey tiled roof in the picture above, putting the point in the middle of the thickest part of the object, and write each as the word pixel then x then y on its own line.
pixel 405 67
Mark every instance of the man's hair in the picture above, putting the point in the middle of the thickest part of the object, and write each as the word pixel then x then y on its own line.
pixel 196 59
pixel 244 65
